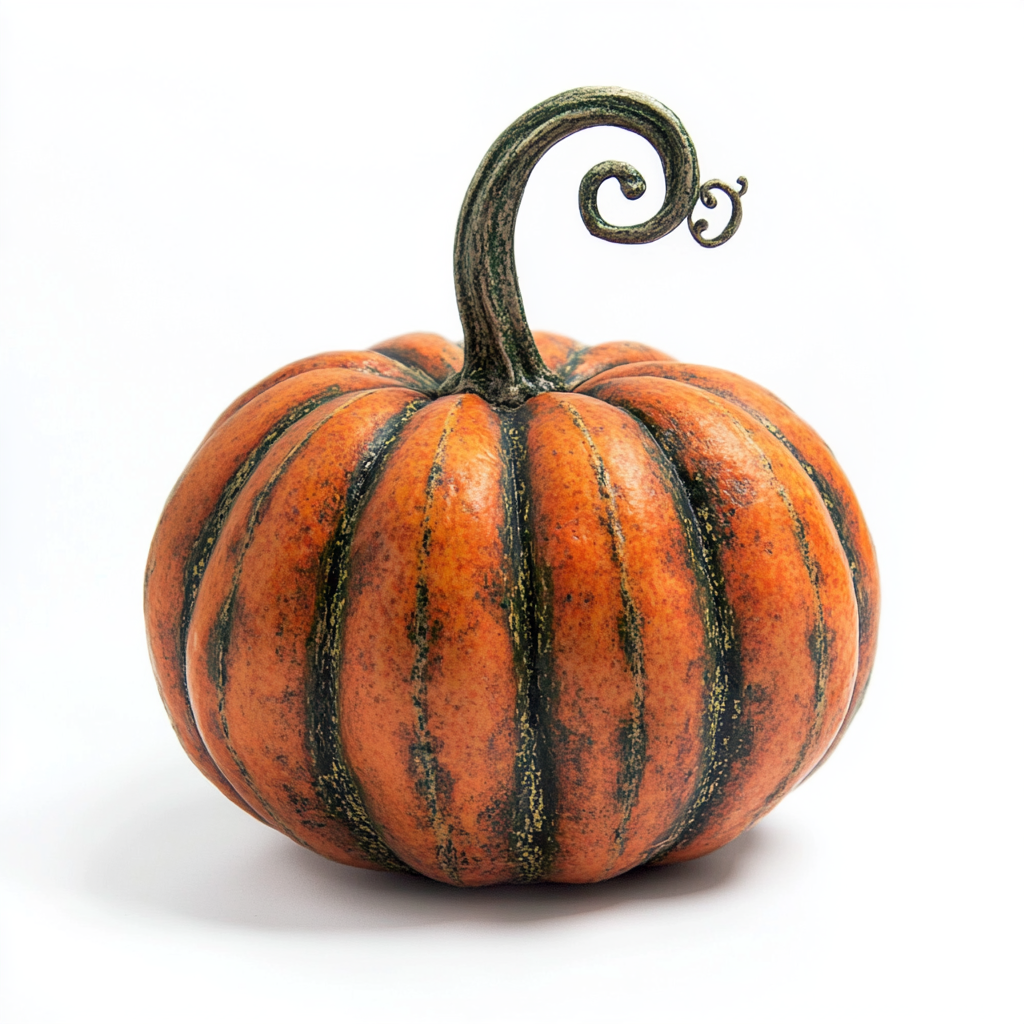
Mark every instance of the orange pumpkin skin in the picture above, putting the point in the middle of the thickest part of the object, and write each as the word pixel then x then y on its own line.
pixel 613 626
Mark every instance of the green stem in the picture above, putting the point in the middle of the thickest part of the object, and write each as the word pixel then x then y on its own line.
pixel 502 363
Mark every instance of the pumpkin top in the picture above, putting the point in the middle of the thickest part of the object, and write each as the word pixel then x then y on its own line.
pixel 502 363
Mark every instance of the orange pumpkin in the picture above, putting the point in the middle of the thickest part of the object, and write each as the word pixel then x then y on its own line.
pixel 547 614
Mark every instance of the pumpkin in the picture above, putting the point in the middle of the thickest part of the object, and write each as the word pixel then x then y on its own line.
pixel 521 610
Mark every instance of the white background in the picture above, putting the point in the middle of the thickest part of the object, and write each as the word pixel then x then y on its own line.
pixel 195 194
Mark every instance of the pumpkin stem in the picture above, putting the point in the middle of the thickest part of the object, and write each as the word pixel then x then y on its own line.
pixel 502 362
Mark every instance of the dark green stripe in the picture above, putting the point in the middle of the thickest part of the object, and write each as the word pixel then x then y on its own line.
pixel 839 515
pixel 220 635
pixel 632 731
pixel 421 381
pixel 423 750
pixel 422 375
pixel 202 548
pixel 529 599
pixel 575 382
pixel 837 510
pixel 424 381
pixel 570 356
pixel 697 491
pixel 334 780
pixel 725 736
pixel 568 368
pixel 818 642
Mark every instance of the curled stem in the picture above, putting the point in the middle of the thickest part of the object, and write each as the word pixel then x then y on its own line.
pixel 502 363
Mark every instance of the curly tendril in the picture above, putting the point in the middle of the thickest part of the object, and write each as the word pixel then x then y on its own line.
pixel 633 186
pixel 501 359
pixel 707 197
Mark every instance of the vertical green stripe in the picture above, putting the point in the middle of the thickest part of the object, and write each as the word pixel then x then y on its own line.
pixel 333 778
pixel 423 750
pixel 202 547
pixel 723 731
pixel 219 641
pixel 532 840
pixel 818 641
pixel 632 731
pixel 726 734
pixel 837 510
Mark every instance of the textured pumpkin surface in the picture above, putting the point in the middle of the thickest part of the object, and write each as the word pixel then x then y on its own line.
pixel 614 625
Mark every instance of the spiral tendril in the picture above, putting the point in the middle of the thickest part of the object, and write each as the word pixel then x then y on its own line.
pixel 708 198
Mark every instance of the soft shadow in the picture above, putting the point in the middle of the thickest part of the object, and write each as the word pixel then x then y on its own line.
pixel 203 859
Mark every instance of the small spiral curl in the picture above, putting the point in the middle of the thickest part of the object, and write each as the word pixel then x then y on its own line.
pixel 707 197
pixel 633 186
